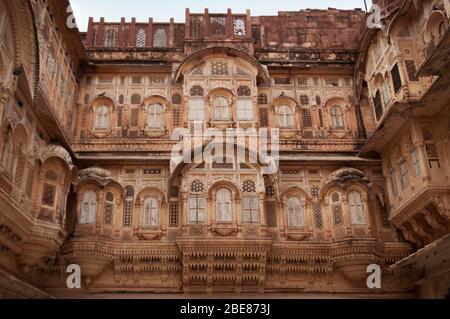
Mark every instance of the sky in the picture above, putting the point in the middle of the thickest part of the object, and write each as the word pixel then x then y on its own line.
pixel 163 10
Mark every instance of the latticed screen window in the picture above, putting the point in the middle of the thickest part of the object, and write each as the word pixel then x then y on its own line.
pixel 173 214
pixel 271 214
pixel 304 99
pixel 396 78
pixel 141 37
pixel 245 109
pixel 306 118
pixel 197 186
pixel 249 187
pixel 378 105
pixel 160 38
pixel 48 195
pixel 179 33
pixel 219 68
pixel 128 206
pixel 108 209
pixel 110 38
pixel 127 213
pixel 244 90
pixel 263 117
pixel 250 210
pixel 404 175
pixel 239 26
pixel 317 212
pixel 336 207
pixel 197 210
pixel 218 25
pixel 176 117
pixel 262 99
pixel 196 27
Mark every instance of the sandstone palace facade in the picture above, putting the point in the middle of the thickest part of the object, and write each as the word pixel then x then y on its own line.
pixel 87 176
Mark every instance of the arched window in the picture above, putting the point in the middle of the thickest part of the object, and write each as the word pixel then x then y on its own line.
pixel 295 212
pixel 337 117
pixel 222 109
pixel 357 215
pixel 285 117
pixel 150 212
pixel 102 117
pixel 155 116
pixel 108 209
pixel 223 205
pixel 336 207
pixel 8 156
pixel 89 208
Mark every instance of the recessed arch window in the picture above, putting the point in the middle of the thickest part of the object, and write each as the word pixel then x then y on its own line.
pixel 155 116
pixel 337 117
pixel 295 212
pixel 285 117
pixel 102 117
pixel 89 208
pixel 222 109
pixel 223 205
pixel 150 212
pixel 108 212
pixel 356 207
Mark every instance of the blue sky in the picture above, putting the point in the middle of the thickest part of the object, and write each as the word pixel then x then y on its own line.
pixel 163 10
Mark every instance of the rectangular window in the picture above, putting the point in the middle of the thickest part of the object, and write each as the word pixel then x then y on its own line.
pixel 378 105
pixel 396 78
pixel 196 109
pixel 250 210
pixel 394 183
pixel 197 210
pixel 404 177
pixel 416 162
pixel 245 109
